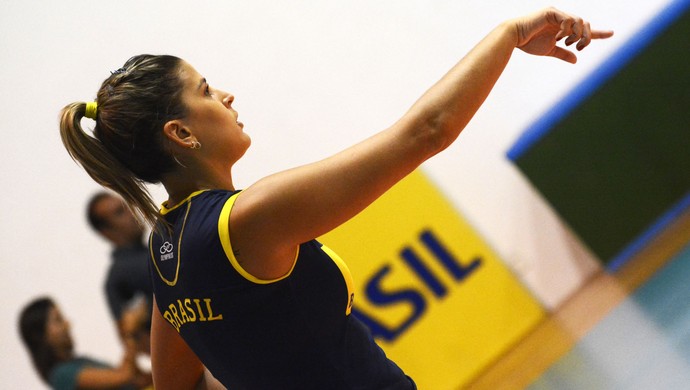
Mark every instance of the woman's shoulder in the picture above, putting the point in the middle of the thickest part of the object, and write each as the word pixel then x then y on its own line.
pixel 217 193
pixel 211 199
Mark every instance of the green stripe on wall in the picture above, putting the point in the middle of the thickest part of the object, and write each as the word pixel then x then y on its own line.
pixel 620 159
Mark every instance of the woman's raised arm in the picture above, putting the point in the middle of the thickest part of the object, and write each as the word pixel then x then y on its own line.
pixel 294 206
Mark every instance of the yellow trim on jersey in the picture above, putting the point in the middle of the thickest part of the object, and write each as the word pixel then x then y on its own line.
pixel 224 235
pixel 165 209
pixel 179 247
pixel 349 282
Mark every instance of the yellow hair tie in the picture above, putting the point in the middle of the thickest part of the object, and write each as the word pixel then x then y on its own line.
pixel 91 109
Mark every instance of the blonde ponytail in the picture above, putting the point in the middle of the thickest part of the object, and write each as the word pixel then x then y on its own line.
pixel 102 166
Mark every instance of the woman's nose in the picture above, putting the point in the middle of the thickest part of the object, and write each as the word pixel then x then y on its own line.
pixel 228 99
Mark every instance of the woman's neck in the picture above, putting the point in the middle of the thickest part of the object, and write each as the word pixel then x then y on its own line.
pixel 179 185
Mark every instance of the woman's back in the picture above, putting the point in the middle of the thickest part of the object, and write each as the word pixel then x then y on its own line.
pixel 292 332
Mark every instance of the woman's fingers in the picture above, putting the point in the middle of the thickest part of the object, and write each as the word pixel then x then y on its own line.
pixel 581 32
pixel 563 54
pixel 601 34
pixel 586 37
pixel 577 29
pixel 566 28
pixel 539 33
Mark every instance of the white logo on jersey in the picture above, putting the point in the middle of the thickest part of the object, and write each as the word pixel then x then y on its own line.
pixel 166 251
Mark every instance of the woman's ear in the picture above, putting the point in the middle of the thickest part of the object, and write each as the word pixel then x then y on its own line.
pixel 177 133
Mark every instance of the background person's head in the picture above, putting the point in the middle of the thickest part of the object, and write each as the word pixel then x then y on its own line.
pixel 46 335
pixel 110 217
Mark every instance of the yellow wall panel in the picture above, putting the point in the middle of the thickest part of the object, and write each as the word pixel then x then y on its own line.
pixel 436 297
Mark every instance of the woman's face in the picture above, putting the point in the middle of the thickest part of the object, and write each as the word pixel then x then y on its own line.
pixel 58 333
pixel 211 118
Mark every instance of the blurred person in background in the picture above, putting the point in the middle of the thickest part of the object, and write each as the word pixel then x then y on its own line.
pixel 46 334
pixel 127 286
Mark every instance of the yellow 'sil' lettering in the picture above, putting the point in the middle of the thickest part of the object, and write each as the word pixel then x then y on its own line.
pixel 210 311
pixel 190 311
pixel 201 312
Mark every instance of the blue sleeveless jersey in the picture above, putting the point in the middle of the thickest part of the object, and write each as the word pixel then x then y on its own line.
pixel 295 332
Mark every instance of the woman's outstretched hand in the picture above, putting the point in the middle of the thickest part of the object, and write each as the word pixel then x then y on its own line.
pixel 538 33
